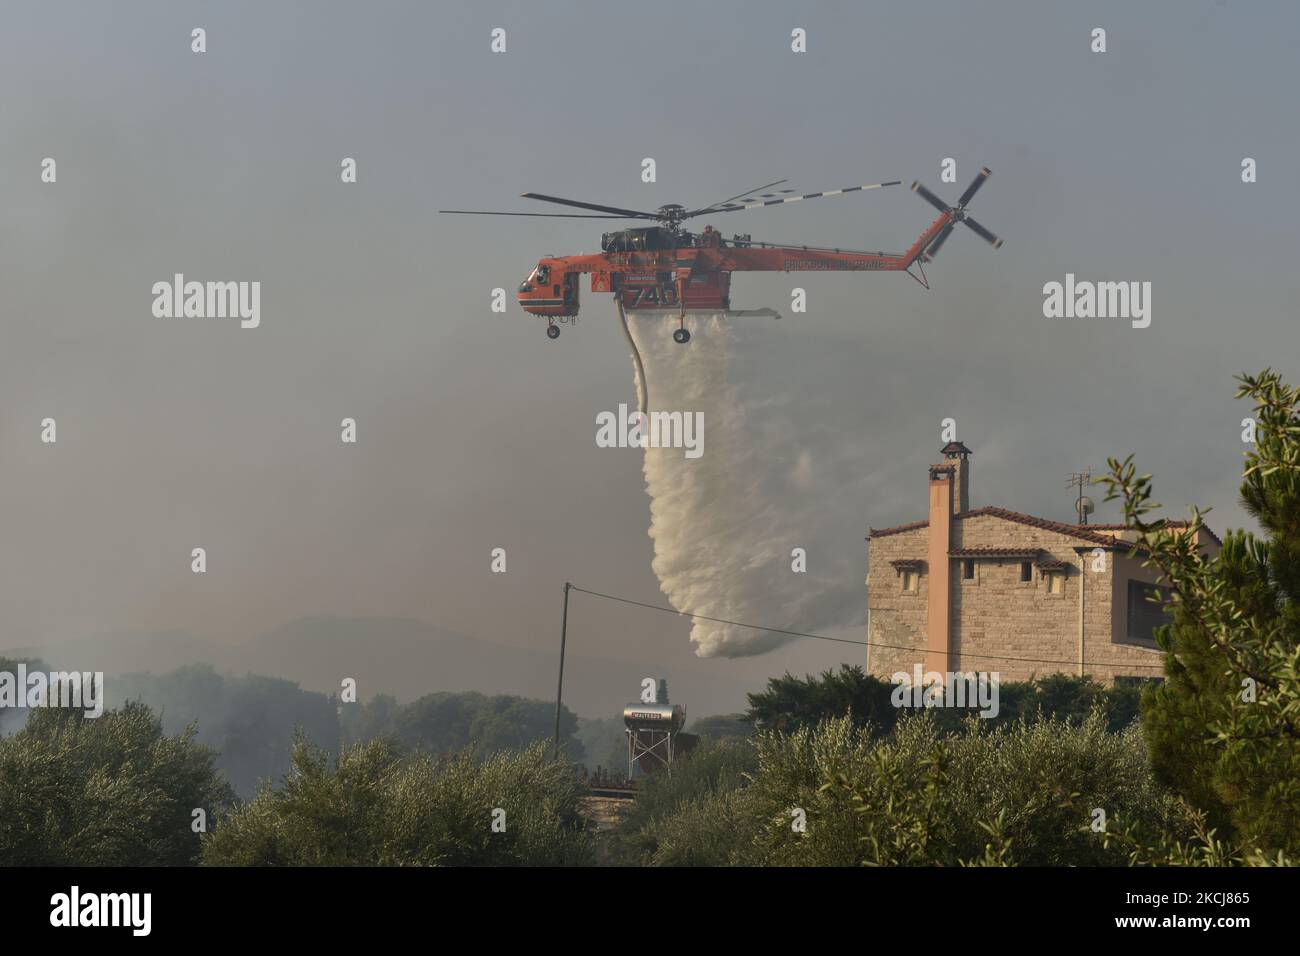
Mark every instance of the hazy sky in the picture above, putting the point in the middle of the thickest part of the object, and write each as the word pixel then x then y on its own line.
pixel 475 431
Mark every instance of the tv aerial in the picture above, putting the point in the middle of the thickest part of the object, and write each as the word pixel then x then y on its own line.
pixel 1083 505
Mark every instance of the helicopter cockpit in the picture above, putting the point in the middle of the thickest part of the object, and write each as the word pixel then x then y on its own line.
pixel 549 290
pixel 540 275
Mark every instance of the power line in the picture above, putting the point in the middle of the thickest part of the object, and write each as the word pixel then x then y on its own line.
pixel 845 640
pixel 720 620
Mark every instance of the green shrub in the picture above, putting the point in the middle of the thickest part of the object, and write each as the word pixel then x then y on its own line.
pixel 790 703
pixel 1046 778
pixel 106 791
pixel 713 767
pixel 1017 793
pixel 709 830
pixel 379 806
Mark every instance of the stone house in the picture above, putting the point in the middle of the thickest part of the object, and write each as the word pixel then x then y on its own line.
pixel 989 589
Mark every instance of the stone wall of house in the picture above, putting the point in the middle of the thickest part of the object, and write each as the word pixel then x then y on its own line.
pixel 999 623
pixel 896 618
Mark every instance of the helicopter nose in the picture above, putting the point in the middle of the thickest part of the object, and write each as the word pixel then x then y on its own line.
pixel 528 298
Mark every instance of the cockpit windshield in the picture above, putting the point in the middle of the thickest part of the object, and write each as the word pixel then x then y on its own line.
pixel 539 276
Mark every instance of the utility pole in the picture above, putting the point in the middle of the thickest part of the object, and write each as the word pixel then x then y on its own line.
pixel 559 687
pixel 1083 507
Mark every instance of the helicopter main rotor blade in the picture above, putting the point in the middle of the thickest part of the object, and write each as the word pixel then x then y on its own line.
pixel 744 194
pixel 545 215
pixel 930 197
pixel 619 213
pixel 802 247
pixel 983 233
pixel 757 204
pixel 973 188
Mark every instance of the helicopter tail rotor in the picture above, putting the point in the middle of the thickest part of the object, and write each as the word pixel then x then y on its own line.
pixel 957 214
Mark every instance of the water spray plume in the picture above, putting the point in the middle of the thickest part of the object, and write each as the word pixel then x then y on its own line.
pixel 724 524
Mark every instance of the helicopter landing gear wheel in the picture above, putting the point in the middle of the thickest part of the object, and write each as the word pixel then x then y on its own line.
pixel 552 331
pixel 681 336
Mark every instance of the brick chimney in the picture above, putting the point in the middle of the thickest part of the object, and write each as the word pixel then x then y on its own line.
pixel 958 455
pixel 943 502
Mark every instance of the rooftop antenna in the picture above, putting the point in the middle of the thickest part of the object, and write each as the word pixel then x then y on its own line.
pixel 1083 505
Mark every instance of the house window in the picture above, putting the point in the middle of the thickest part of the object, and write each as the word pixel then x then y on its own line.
pixel 1145 616
pixel 1026 571
pixel 910 580
pixel 1055 582
pixel 968 569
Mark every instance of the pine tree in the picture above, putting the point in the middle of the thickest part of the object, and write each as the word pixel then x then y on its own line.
pixel 1224 729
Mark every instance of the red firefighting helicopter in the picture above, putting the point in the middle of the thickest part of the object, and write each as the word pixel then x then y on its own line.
pixel 666 269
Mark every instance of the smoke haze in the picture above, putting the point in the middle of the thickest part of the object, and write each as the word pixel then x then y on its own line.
pixel 476 432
